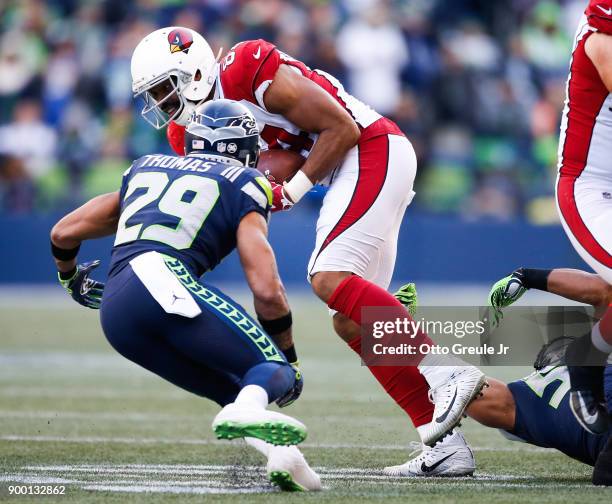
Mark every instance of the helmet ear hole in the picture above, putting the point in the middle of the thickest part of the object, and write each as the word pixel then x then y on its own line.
pixel 198 75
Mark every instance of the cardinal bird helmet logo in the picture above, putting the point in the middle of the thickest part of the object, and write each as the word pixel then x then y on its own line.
pixel 180 40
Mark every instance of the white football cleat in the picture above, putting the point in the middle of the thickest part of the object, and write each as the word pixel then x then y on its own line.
pixel 287 468
pixel 450 400
pixel 239 421
pixel 450 457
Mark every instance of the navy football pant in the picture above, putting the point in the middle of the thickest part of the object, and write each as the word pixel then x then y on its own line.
pixel 209 355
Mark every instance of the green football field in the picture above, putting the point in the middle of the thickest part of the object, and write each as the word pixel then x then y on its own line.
pixel 76 414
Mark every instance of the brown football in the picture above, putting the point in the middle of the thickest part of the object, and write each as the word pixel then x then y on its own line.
pixel 281 164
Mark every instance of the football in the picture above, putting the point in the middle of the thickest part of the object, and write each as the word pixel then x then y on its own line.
pixel 280 164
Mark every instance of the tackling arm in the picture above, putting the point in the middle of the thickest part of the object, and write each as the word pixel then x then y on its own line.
pixel 95 219
pixel 259 264
pixel 311 108
pixel 598 48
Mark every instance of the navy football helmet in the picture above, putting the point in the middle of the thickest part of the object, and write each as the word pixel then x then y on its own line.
pixel 223 128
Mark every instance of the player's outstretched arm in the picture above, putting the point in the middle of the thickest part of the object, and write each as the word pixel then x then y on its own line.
pixel 259 264
pixel 598 48
pixel 95 219
pixel 496 408
pixel 271 305
pixel 312 109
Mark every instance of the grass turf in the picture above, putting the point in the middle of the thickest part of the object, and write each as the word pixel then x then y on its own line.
pixel 73 412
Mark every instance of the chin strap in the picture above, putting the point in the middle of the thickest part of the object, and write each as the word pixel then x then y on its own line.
pixel 218 58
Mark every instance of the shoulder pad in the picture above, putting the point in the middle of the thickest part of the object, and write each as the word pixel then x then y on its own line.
pixel 243 69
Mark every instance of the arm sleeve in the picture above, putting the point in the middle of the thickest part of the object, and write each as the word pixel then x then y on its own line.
pixel 248 70
pixel 125 180
pixel 253 194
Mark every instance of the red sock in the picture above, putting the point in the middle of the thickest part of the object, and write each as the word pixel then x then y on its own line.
pixel 405 384
pixel 605 326
pixel 355 293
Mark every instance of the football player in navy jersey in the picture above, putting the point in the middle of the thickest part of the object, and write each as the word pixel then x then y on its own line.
pixel 537 410
pixel 175 218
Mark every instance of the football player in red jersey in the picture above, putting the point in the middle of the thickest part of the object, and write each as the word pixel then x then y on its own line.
pixel 368 165
pixel 584 200
pixel 584 194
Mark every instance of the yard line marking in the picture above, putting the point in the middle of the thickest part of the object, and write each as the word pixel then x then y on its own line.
pixel 180 486
pixel 178 490
pixel 160 417
pixel 205 469
pixel 329 446
pixel 62 391
pixel 131 416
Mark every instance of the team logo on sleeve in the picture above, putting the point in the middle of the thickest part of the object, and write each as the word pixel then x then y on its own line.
pixel 180 40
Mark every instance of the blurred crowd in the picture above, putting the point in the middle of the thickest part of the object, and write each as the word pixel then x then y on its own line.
pixel 477 85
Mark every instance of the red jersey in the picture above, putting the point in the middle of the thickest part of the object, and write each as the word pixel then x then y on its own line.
pixel 245 74
pixel 585 144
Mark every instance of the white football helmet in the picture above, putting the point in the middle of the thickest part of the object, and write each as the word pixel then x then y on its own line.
pixel 173 71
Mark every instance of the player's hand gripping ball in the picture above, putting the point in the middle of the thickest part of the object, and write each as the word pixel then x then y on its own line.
pixel 279 166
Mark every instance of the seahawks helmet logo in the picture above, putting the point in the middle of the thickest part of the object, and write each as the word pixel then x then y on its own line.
pixel 180 40
pixel 246 123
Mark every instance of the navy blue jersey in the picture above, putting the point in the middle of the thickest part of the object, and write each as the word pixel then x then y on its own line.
pixel 186 207
pixel 544 417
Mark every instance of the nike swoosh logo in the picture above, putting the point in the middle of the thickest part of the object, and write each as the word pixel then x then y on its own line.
pixel 586 416
pixel 257 53
pixel 85 288
pixel 426 469
pixel 442 417
pixel 605 11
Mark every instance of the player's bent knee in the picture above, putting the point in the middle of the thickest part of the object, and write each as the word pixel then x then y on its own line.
pixel 346 328
pixel 274 377
pixel 324 283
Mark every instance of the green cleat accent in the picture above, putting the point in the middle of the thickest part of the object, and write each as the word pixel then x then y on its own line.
pixel 407 295
pixel 276 433
pixel 506 292
pixel 284 481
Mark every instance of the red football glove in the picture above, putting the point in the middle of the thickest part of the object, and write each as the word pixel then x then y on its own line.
pixel 176 137
pixel 280 200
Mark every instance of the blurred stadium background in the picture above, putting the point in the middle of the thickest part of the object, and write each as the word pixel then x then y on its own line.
pixel 477 85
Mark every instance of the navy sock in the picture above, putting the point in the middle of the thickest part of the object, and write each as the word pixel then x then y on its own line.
pixel 277 379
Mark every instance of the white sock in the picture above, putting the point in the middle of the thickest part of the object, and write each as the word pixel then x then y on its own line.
pixel 253 396
pixel 598 342
pixel 261 446
pixel 437 368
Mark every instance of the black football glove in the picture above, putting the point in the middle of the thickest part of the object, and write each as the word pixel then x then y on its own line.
pixel 82 289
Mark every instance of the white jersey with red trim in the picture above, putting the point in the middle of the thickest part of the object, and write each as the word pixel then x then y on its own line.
pixel 247 71
pixel 585 144
pixel 584 184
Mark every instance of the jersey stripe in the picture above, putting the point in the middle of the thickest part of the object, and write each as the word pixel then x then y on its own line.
pixel 370 182
pixel 584 102
pixel 571 215
pixel 586 96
